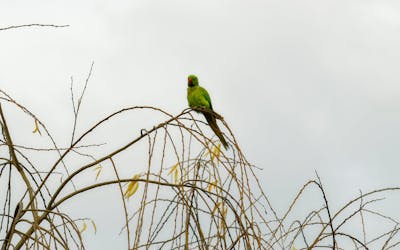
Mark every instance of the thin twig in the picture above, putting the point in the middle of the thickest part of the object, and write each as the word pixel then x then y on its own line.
pixel 33 25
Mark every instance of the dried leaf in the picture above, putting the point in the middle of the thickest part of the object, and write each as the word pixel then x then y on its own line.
pixel 94 226
pixel 84 227
pixel 224 212
pixel 173 168
pixel 135 188
pixel 216 207
pixel 176 176
pixel 132 187
pixel 212 185
pixel 222 224
pixel 98 169
pixel 36 129
pixel 222 228
pixel 216 152
pixel 131 190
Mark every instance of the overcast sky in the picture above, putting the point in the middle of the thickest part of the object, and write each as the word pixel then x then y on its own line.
pixel 305 85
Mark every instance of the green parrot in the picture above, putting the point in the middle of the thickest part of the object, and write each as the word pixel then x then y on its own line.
pixel 198 97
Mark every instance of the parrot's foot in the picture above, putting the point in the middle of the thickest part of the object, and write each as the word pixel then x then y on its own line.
pixel 208 111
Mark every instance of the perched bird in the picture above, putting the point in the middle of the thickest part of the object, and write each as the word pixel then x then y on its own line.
pixel 198 97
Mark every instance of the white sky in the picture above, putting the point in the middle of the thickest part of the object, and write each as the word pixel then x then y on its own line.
pixel 305 85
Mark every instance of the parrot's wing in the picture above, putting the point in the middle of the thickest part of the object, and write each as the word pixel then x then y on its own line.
pixel 205 94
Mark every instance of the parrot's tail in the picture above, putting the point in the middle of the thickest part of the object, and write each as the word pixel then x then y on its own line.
pixel 212 122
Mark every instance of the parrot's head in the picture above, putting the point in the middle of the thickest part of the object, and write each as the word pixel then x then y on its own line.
pixel 193 81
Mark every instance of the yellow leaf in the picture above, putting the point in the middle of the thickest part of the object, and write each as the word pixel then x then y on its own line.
pixel 98 169
pixel 216 207
pixel 216 152
pixel 132 190
pixel 209 187
pixel 222 228
pixel 212 185
pixel 135 188
pixel 173 168
pixel 36 129
pixel 84 227
pixel 94 226
pixel 224 212
pixel 293 248
pixel 176 176
pixel 132 187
